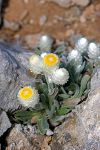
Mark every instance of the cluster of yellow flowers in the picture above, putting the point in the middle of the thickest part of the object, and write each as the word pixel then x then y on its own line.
pixel 48 64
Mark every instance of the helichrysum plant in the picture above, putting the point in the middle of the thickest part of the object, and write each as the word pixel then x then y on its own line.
pixel 61 77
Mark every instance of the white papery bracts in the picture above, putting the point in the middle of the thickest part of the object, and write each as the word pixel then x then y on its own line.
pixel 48 64
pixel 45 43
pixel 82 45
pixel 75 57
pixel 94 51
pixel 36 64
pixel 60 76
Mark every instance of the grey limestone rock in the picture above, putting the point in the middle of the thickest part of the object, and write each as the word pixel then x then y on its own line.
pixel 4 122
pixel 13 74
pixel 95 81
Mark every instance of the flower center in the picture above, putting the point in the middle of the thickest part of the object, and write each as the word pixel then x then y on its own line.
pixel 26 93
pixel 50 60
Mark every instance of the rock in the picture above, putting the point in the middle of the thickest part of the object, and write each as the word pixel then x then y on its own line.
pixel 31 39
pixel 81 129
pixel 17 140
pixel 45 145
pixel 23 16
pixel 89 12
pixel 14 68
pixel 29 131
pixel 26 1
pixel 82 3
pixel 4 123
pixel 24 138
pixel 43 20
pixel 95 81
pixel 14 26
pixel 31 21
pixel 49 132
pixel 69 3
pixel 88 121
pixel 0 10
pixel 62 3
pixel 74 13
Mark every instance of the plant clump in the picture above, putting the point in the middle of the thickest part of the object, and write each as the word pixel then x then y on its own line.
pixel 61 76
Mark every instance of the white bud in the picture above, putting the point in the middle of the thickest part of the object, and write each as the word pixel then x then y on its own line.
pixel 82 45
pixel 36 64
pixel 45 43
pixel 75 56
pixel 93 51
pixel 60 76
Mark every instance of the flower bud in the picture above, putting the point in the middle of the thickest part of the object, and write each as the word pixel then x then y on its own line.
pixel 93 51
pixel 36 64
pixel 75 56
pixel 60 76
pixel 82 45
pixel 45 43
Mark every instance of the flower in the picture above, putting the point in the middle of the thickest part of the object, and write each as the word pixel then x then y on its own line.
pixel 93 50
pixel 36 63
pixel 45 43
pixel 60 76
pixel 75 56
pixel 50 62
pixel 44 63
pixel 28 96
pixel 82 45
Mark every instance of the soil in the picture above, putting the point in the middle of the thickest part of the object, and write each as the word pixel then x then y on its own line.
pixel 35 17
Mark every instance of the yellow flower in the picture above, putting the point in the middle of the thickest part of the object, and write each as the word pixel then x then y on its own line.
pixel 36 64
pixel 51 60
pixel 28 96
pixel 50 63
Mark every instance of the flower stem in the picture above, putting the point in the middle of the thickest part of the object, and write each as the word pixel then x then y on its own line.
pixel 50 85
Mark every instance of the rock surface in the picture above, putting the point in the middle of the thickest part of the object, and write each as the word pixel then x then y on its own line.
pixel 11 25
pixel 17 140
pixel 69 3
pixel 4 123
pixel 82 3
pixel 13 74
pixel 95 81
pixel 25 138
pixel 62 3
pixel 0 10
pixel 81 129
